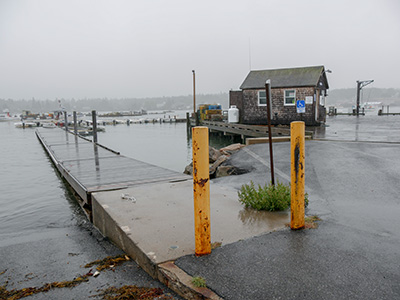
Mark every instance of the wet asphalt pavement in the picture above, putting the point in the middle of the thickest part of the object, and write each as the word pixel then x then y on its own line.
pixel 354 188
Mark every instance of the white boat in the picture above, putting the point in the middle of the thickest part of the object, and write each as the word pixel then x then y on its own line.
pixel 25 124
pixel 6 117
pixel 49 125
pixel 99 128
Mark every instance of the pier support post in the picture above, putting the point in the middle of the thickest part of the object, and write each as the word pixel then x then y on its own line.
pixel 297 141
pixel 75 123
pixel 65 120
pixel 94 126
pixel 201 191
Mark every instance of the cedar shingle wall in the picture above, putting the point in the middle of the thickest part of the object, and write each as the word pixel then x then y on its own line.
pixel 251 113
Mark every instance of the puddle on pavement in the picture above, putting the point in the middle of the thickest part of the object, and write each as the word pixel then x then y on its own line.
pixel 263 219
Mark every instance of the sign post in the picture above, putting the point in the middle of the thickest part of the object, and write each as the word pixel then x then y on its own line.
pixel 269 112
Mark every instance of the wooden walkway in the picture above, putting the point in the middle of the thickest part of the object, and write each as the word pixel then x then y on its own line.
pixel 90 167
pixel 248 130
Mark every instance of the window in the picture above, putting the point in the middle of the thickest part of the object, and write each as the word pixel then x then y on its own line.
pixel 322 100
pixel 262 98
pixel 290 97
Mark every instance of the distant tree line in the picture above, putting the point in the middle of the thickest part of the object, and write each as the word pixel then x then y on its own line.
pixel 336 97
pixel 110 104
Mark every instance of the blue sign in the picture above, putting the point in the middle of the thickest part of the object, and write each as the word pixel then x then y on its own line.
pixel 301 106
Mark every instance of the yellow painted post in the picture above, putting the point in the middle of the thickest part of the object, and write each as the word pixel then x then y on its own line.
pixel 297 141
pixel 201 190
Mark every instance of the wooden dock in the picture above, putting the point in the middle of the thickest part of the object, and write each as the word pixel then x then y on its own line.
pixel 90 167
pixel 252 131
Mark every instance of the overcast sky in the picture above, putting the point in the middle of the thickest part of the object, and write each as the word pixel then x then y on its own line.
pixel 96 48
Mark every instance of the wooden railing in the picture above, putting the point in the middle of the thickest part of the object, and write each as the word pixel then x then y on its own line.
pixel 248 130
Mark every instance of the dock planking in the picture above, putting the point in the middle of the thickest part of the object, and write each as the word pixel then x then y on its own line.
pixel 89 167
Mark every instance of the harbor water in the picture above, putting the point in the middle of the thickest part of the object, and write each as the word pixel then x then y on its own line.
pixel 33 198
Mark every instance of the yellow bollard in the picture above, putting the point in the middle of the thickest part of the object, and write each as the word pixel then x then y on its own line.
pixel 201 190
pixel 297 141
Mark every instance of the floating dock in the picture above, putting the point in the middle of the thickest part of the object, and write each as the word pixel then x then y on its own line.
pixel 90 167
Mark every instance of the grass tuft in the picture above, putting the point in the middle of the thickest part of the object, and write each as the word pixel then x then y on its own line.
pixel 199 281
pixel 267 197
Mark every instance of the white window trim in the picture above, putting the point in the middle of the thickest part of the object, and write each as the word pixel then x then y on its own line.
pixel 284 98
pixel 261 104
pixel 322 100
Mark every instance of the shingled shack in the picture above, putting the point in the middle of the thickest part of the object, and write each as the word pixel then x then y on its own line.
pixel 287 86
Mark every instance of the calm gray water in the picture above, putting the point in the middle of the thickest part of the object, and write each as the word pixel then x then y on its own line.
pixel 33 198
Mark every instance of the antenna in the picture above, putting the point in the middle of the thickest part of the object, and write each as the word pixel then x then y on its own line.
pixel 249 54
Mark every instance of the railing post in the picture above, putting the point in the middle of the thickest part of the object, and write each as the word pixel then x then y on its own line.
pixel 297 141
pixel 94 126
pixel 201 191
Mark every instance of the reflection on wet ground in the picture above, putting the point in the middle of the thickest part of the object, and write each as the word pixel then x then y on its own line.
pixel 362 128
pixel 261 219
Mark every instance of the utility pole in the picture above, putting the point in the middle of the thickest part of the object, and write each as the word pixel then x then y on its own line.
pixel 194 92
pixel 269 112
pixel 360 85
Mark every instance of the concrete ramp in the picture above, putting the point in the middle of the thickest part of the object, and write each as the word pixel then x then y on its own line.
pixel 154 223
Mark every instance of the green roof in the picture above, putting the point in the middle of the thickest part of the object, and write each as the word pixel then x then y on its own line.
pixel 281 78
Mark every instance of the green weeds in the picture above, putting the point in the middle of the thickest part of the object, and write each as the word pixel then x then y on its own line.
pixel 199 281
pixel 267 197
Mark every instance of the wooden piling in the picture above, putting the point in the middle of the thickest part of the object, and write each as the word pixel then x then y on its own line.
pixel 94 126
pixel 75 123
pixel 66 120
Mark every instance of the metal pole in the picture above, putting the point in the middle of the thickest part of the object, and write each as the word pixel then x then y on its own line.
pixel 201 191
pixel 269 111
pixel 94 126
pixel 297 174
pixel 358 98
pixel 194 92
pixel 75 123
pixel 65 121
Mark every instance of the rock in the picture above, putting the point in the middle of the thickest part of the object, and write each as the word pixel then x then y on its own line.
pixel 229 150
pixel 216 159
pixel 188 169
pixel 223 171
pixel 216 164
pixel 229 170
pixel 213 154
